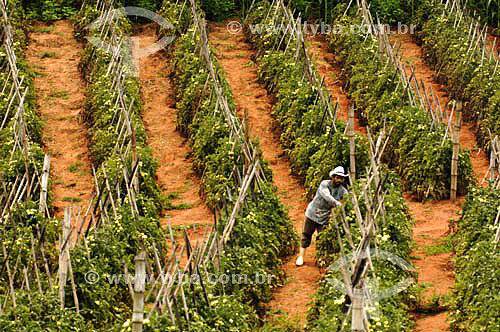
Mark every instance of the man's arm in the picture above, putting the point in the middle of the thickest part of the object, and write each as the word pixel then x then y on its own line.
pixel 325 193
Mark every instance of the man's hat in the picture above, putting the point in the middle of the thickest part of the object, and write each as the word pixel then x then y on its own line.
pixel 339 170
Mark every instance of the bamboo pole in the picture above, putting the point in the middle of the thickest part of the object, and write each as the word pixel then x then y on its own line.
pixel 497 235
pixel 492 164
pixel 27 281
pixel 456 150
pixel 63 255
pixel 35 265
pixel 352 144
pixel 358 309
pixel 139 287
pixel 45 260
pixel 45 181
pixel 73 284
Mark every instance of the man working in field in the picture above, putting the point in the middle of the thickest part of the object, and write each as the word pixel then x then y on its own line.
pixel 328 196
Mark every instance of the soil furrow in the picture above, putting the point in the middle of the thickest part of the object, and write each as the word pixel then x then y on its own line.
pixel 235 55
pixel 175 173
pixel 318 49
pixel 54 54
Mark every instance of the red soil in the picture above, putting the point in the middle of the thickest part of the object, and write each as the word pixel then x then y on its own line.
pixel 318 50
pixel 431 323
pixel 175 173
pixel 235 54
pixel 54 53
pixel 431 226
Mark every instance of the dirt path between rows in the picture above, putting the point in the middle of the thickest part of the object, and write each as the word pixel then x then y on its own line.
pixel 432 218
pixel 318 50
pixel 54 54
pixel 175 173
pixel 235 54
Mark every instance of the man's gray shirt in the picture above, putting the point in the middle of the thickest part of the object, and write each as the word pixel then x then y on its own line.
pixel 327 197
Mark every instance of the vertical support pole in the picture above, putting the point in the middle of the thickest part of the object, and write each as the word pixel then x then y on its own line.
pixel 352 144
pixel 492 163
pixel 139 287
pixel 134 63
pixel 357 324
pixel 26 161
pixel 45 181
pixel 456 150
pixel 27 281
pixel 64 254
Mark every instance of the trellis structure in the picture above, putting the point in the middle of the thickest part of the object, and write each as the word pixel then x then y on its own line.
pixel 25 186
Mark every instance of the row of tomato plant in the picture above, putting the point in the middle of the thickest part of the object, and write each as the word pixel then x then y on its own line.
pixel 476 294
pixel 11 158
pixel 106 306
pixel 467 72
pixel 49 10
pixel 417 148
pixel 469 76
pixel 388 11
pixel 102 113
pixel 313 151
pixel 34 311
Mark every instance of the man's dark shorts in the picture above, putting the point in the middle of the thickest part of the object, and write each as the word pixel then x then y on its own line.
pixel 310 227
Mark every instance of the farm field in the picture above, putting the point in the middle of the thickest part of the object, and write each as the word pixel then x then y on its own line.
pixel 157 159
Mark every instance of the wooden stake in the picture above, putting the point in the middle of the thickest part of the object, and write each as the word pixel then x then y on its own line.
pixel 45 181
pixel 35 265
pixel 456 150
pixel 63 255
pixel 45 260
pixel 73 285
pixel 139 287
pixel 27 281
pixel 352 144
pixel 358 309
pixel 492 164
